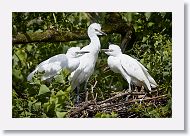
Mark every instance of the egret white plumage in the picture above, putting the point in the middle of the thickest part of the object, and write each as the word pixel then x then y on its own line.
pixel 87 61
pixel 131 70
pixel 55 64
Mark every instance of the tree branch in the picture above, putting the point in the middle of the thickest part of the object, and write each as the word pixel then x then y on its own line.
pixel 66 36
pixel 49 36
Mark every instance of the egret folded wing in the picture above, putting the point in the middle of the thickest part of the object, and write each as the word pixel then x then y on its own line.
pixel 151 79
pixel 51 66
pixel 134 70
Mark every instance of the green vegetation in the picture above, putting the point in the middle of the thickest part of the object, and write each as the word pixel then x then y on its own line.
pixel 150 43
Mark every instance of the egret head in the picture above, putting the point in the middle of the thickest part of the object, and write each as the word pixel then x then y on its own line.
pixel 75 52
pixel 113 50
pixel 95 29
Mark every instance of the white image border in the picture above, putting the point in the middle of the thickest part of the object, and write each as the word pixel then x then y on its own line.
pixel 174 123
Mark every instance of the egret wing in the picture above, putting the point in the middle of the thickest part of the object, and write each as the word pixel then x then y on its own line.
pixel 150 78
pixel 75 80
pixel 133 69
pixel 82 73
pixel 51 66
pixel 59 60
pixel 54 65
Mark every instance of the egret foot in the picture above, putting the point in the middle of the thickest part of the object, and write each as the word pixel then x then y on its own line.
pixel 86 98
pixel 78 99
pixel 77 92
pixel 142 98
pixel 127 97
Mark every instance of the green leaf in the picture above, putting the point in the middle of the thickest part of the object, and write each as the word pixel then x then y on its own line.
pixel 49 107
pixel 129 17
pixel 65 73
pixel 60 114
pixel 43 89
pixel 147 15
pixel 144 39
pixel 37 106
pixel 60 93
pixel 165 74
pixel 98 115
pixel 59 79
pixel 22 55
pixel 17 74
pixel 150 24
pixel 114 115
pixel 29 48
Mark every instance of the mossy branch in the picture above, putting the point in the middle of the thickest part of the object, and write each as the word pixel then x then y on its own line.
pixel 66 36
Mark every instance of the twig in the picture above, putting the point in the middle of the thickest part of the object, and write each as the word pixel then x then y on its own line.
pixel 131 115
pixel 121 95
pixel 79 109
pixel 133 101
pixel 92 90
pixel 94 106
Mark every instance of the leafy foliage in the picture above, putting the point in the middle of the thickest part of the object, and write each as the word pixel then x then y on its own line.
pixel 152 47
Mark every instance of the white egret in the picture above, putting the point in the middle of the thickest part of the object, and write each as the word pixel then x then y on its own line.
pixel 87 61
pixel 55 64
pixel 131 70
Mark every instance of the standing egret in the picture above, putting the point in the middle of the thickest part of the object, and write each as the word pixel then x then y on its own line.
pixel 55 64
pixel 131 70
pixel 87 61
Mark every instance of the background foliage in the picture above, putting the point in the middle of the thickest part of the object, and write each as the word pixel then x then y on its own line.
pixel 152 47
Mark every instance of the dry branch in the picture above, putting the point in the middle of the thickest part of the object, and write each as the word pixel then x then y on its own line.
pixel 124 94
pixel 94 106
pixel 133 101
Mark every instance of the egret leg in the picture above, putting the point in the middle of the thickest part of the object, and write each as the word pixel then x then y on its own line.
pixel 86 98
pixel 136 90
pixel 127 97
pixel 142 98
pixel 78 89
pixel 130 88
pixel 85 89
pixel 85 86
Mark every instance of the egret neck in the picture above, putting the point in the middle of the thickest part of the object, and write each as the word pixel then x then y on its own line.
pixel 94 44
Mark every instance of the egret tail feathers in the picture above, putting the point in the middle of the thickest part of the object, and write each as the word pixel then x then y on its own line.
pixel 77 78
pixel 73 78
pixel 152 81
pixel 147 84
pixel 29 78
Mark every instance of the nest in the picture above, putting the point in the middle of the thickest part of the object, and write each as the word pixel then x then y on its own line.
pixel 116 103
